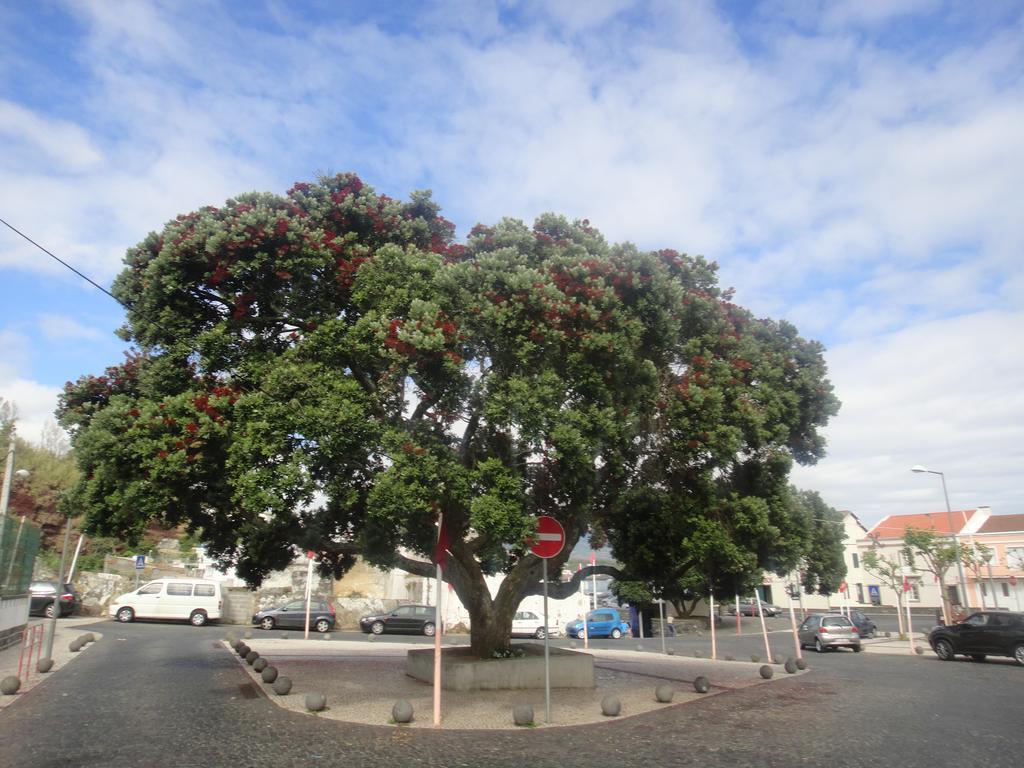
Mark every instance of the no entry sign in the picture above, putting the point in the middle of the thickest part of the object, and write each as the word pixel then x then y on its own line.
pixel 550 537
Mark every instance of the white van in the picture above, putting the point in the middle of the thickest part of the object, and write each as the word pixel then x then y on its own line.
pixel 194 600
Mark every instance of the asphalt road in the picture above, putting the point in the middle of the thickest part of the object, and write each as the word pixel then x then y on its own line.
pixel 170 695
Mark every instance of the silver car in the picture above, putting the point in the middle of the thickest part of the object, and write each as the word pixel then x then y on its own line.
pixel 828 631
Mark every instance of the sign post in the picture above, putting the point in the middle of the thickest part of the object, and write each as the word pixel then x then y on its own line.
pixel 546 544
pixel 309 588
pixel 140 563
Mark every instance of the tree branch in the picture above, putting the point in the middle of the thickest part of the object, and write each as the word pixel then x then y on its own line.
pixel 564 589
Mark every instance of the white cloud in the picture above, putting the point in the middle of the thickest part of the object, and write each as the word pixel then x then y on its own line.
pixel 35 403
pixel 63 327
pixel 63 146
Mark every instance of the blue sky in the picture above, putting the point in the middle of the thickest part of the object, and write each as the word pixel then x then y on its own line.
pixel 854 167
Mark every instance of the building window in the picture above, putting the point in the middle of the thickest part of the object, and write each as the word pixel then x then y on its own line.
pixel 1006 589
pixel 915 592
pixel 856 562
pixel 984 589
pixel 860 592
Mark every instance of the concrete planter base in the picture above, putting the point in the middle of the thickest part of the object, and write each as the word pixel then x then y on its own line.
pixel 462 671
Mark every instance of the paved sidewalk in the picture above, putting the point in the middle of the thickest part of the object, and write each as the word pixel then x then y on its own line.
pixel 363 679
pixel 68 629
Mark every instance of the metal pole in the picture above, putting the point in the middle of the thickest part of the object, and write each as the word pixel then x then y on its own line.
pixel 992 584
pixel 17 543
pixel 74 560
pixel 711 621
pixel 661 618
pixel 956 542
pixel 547 660
pixel 60 588
pixel 792 624
pixel 764 629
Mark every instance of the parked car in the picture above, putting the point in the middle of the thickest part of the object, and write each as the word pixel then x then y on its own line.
pixel 529 624
pixel 986 633
pixel 604 622
pixel 748 607
pixel 41 599
pixel 865 626
pixel 405 619
pixel 194 600
pixel 829 630
pixel 292 615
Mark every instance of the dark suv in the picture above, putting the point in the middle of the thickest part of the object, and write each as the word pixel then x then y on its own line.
pixel 986 633
pixel 42 598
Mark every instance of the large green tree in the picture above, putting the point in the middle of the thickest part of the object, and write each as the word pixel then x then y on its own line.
pixel 329 370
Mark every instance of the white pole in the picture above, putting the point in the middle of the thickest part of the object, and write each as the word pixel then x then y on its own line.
pixel 640 621
pixel 547 660
pixel 74 560
pixel 792 624
pixel 437 651
pixel 739 627
pixel 764 629
pixel 711 621
pixel 309 589
pixel 910 628
pixel 661 618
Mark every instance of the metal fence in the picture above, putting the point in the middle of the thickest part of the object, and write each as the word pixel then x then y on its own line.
pixel 18 547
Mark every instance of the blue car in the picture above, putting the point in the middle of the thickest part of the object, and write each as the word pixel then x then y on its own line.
pixel 604 622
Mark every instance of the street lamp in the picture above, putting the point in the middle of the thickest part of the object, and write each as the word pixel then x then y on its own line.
pixel 952 531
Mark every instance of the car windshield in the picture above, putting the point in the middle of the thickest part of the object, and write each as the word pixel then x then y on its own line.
pixel 835 621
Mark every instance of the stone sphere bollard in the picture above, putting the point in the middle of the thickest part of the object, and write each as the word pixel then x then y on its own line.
pixel 663 694
pixel 236 644
pixel 699 633
pixel 572 644
pixel 282 686
pixel 611 706
pixel 269 674
pixel 888 634
pixel 671 651
pixel 777 659
pixel 89 637
pixel 251 657
pixel 248 634
pixel 755 658
pixel 44 665
pixel 259 665
pixel 698 654
pixel 74 646
pixel 315 702
pixel 242 649
pixel 522 714
pixel 639 647
pixel 10 685
pixel 284 635
pixel 766 671
pixel 918 650
pixel 327 635
pixel 801 663
pixel 701 684
pixel 790 666
pixel 231 639
pixel 730 657
pixel 401 712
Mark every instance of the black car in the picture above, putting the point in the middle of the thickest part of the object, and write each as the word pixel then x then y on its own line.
pixel 405 619
pixel 986 633
pixel 42 599
pixel 292 615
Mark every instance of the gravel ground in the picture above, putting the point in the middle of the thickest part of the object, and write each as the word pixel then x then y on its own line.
pixel 362 681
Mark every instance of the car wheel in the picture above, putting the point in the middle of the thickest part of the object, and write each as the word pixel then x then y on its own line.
pixel 616 633
pixel 856 649
pixel 50 611
pixel 540 634
pixel 198 618
pixel 267 623
pixel 1018 653
pixel 818 645
pixel 944 650
pixel 323 625
pixel 124 615
pixel 377 627
pixel 428 629
pixel 977 657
